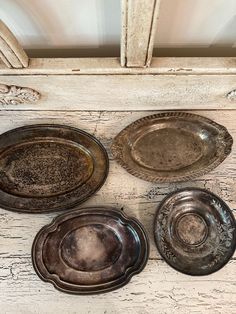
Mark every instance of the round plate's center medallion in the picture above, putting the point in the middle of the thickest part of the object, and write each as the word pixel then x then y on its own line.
pixel 191 229
pixel 91 248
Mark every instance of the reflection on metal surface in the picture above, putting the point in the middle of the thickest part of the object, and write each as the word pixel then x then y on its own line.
pixel 171 147
pixel 90 250
pixel 195 231
pixel 49 167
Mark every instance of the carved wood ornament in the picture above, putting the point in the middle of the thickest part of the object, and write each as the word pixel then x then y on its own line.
pixel 232 95
pixel 14 95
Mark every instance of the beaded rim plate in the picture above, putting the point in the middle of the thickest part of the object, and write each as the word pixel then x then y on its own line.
pixel 49 167
pixel 171 146
pixel 195 231
pixel 90 250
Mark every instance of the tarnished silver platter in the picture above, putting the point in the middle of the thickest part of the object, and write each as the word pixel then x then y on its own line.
pixel 49 167
pixel 195 231
pixel 90 250
pixel 171 146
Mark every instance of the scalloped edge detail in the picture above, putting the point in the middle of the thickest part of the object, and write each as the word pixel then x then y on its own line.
pixel 52 226
pixel 224 136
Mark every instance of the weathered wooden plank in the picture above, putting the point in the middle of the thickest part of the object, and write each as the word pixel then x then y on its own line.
pixel 139 21
pixel 158 289
pixel 125 92
pixel 162 65
pixel 12 54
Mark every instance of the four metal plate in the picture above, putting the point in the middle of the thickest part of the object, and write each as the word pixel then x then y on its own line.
pixel 90 250
pixel 52 167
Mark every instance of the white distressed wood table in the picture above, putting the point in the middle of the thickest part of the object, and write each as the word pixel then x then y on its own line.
pixel 101 97
pixel 159 288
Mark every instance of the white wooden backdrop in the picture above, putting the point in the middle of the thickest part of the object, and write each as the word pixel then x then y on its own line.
pixel 101 97
pixel 96 23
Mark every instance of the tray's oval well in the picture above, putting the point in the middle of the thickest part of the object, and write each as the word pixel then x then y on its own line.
pixel 90 250
pixel 171 147
pixel 44 168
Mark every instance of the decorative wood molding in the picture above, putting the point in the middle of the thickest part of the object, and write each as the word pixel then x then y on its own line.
pixel 168 84
pixel 139 23
pixel 14 95
pixel 11 52
pixel 103 66
pixel 232 95
pixel 127 92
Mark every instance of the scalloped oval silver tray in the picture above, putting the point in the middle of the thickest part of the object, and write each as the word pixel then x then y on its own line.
pixel 90 250
pixel 171 146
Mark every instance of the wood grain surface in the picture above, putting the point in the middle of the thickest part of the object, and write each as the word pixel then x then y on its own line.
pixel 101 84
pixel 125 92
pixel 159 288
pixel 160 65
pixel 139 26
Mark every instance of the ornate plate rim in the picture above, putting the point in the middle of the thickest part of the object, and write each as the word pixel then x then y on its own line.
pixel 85 211
pixel 157 242
pixel 116 147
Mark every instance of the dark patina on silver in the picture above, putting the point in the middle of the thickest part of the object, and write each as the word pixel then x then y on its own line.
pixel 49 167
pixel 90 250
pixel 171 146
pixel 195 231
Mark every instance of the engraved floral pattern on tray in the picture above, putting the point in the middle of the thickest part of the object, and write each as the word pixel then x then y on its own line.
pixel 162 229
pixel 225 233
pixel 179 215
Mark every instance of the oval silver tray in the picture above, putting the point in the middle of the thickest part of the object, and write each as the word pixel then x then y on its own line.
pixel 49 167
pixel 90 250
pixel 171 147
pixel 195 231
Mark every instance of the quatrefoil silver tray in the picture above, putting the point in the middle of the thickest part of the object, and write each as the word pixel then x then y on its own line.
pixel 90 250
